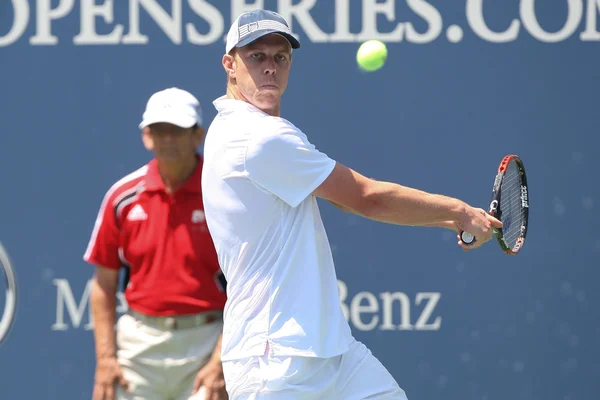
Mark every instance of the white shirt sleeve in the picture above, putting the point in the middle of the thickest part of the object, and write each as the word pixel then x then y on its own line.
pixel 281 160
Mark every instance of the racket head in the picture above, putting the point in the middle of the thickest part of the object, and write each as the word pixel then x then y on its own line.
pixel 510 204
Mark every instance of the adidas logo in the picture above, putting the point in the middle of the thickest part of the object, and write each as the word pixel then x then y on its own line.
pixel 137 213
pixel 197 216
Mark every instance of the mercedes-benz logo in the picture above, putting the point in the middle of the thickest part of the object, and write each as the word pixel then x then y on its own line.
pixel 7 317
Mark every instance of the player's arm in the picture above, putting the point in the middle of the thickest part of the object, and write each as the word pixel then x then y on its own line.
pixel 444 224
pixel 103 303
pixel 290 167
pixel 103 253
pixel 345 209
pixel 396 204
pixel 103 300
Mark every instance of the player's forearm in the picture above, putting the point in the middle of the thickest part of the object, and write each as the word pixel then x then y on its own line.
pixel 345 209
pixel 103 303
pixel 216 355
pixel 444 224
pixel 396 204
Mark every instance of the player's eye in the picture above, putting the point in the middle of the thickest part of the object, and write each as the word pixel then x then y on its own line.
pixel 256 56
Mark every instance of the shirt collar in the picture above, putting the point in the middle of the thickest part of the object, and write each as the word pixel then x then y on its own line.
pixel 226 105
pixel 155 182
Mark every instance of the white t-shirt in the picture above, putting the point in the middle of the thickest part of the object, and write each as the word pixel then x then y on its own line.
pixel 258 175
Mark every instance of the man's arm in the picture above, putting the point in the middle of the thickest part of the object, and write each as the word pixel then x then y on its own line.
pixel 103 300
pixel 444 224
pixel 216 355
pixel 385 201
pixel 211 376
pixel 392 203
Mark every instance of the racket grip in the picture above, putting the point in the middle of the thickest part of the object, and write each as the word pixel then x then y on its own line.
pixel 467 238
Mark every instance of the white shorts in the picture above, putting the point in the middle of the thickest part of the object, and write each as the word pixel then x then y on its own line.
pixel 354 375
pixel 160 364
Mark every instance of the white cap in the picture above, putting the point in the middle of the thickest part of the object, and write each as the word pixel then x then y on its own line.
pixel 253 25
pixel 173 106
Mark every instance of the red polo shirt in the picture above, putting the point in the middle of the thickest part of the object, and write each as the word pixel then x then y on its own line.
pixel 163 239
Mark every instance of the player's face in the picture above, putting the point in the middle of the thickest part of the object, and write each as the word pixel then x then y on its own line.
pixel 262 70
pixel 171 143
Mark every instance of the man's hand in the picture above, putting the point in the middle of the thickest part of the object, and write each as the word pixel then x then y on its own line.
pixel 211 378
pixel 480 224
pixel 108 372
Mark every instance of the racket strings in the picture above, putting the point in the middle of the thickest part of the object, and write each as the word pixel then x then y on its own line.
pixel 513 213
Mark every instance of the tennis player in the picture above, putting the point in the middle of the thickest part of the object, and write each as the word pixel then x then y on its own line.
pixel 285 336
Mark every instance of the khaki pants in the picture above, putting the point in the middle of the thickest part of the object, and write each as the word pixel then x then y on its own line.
pixel 162 364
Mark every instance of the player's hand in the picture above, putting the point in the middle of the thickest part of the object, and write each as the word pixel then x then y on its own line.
pixel 108 373
pixel 480 224
pixel 211 378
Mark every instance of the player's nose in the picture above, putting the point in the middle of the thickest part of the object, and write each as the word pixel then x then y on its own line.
pixel 270 67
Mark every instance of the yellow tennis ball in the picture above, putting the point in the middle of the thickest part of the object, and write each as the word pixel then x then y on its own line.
pixel 371 55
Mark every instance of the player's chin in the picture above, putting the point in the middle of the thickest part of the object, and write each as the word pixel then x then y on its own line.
pixel 170 156
pixel 268 98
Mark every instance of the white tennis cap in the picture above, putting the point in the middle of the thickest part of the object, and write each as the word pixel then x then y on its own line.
pixel 173 106
pixel 252 25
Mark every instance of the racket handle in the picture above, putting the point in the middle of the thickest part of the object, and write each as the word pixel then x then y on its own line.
pixel 467 238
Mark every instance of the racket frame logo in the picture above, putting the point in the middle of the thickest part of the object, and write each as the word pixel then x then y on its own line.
pixel 493 207
pixel 497 182
pixel 524 198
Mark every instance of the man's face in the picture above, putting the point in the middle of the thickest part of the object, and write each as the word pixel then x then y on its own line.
pixel 261 70
pixel 172 143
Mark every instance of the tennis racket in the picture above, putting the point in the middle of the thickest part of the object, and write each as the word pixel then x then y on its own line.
pixel 510 204
pixel 10 303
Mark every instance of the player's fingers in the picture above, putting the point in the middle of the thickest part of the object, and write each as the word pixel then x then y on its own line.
pixel 496 223
pixel 109 393
pixel 98 393
pixel 209 393
pixel 124 384
pixel 474 245
pixel 218 396
pixel 197 384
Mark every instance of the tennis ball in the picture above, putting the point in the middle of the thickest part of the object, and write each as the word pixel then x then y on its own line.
pixel 371 55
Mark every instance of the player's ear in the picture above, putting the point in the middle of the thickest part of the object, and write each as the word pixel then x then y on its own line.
pixel 198 135
pixel 228 62
pixel 147 139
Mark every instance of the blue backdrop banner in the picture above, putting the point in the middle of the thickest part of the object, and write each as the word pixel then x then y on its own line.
pixel 465 83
